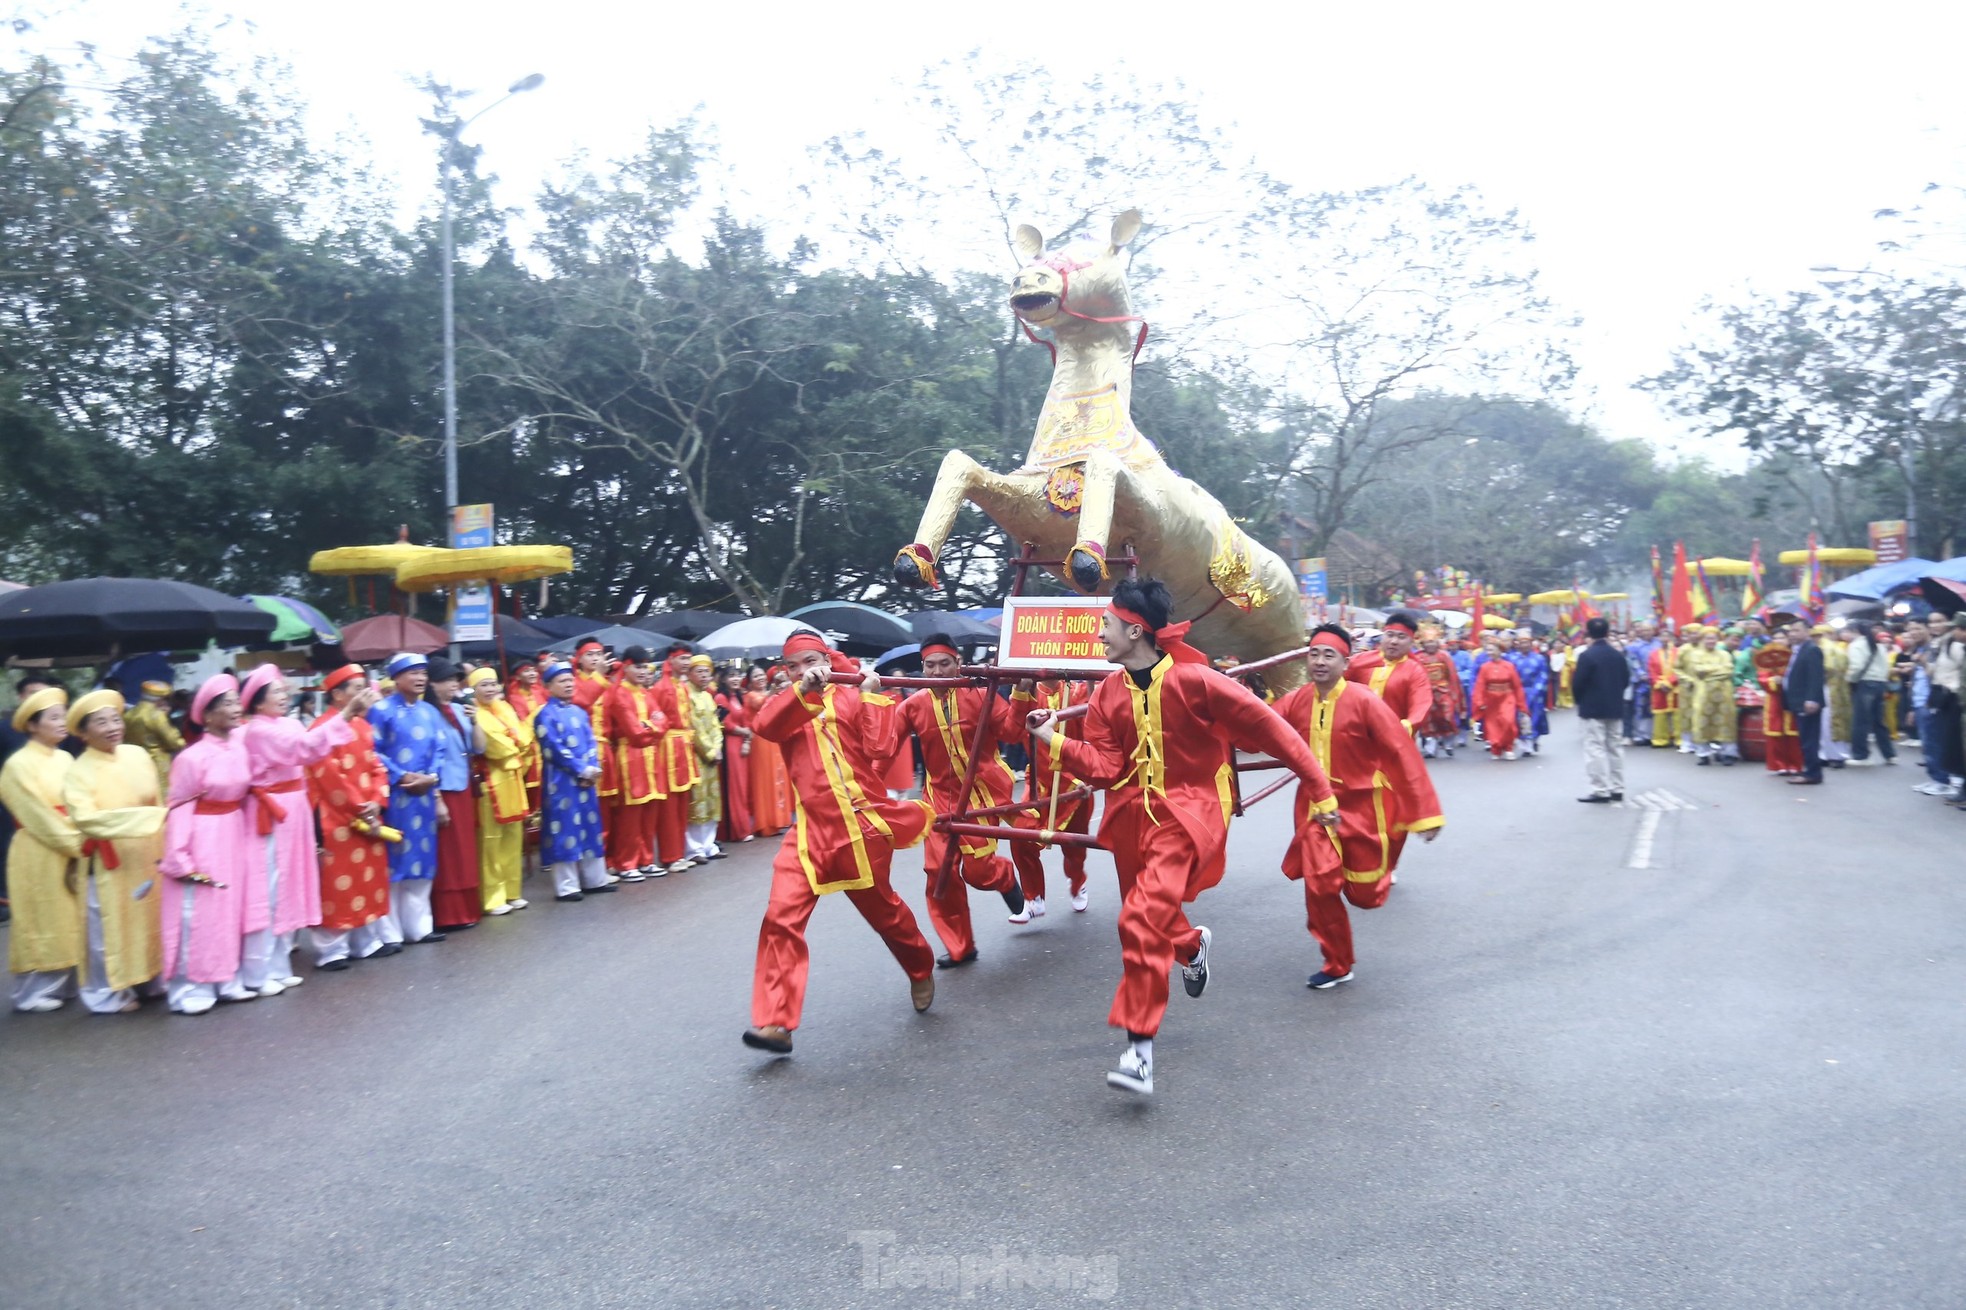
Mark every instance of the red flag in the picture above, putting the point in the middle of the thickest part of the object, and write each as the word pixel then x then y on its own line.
pixel 1480 615
pixel 1751 595
pixel 1680 609
pixel 1585 611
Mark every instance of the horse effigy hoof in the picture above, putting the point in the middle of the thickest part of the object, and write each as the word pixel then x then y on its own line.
pixel 1087 565
pixel 915 567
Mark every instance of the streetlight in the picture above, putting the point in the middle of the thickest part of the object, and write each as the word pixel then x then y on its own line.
pixel 450 312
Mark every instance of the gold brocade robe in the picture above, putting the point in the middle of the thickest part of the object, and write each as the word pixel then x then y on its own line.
pixel 706 800
pixel 147 725
pixel 1836 677
pixel 1710 674
pixel 46 934
pixel 113 801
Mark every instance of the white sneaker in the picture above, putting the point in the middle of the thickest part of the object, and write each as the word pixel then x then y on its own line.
pixel 237 992
pixel 1034 907
pixel 516 904
pixel 1135 1073
pixel 272 988
pixel 497 910
pixel 196 1005
pixel 1022 916
pixel 1080 899
pixel 681 866
pixel 40 1005
pixel 1931 789
pixel 292 981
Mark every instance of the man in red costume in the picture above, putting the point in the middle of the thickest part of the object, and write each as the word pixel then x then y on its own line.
pixel 635 725
pixel 835 740
pixel 944 720
pixel 1499 705
pixel 1393 675
pixel 1042 782
pixel 1443 720
pixel 1160 737
pixel 676 757
pixel 590 692
pixel 1383 794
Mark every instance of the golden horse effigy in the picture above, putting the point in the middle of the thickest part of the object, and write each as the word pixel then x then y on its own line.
pixel 1092 481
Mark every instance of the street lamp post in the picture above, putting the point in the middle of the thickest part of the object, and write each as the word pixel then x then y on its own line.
pixel 450 311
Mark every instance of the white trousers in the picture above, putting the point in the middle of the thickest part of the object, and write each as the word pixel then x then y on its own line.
pixel 1831 749
pixel 96 992
pixel 570 876
pixel 261 960
pixel 700 840
pixel 331 944
pixel 1604 755
pixel 408 919
pixel 41 985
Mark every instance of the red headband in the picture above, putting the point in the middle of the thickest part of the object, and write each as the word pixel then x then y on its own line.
pixel 1169 638
pixel 584 646
pixel 803 641
pixel 937 648
pixel 1332 640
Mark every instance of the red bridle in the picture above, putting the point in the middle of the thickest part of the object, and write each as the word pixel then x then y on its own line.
pixel 1064 268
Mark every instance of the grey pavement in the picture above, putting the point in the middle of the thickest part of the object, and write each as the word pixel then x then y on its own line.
pixel 1732 1078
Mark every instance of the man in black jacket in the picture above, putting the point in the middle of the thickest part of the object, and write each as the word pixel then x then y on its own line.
pixel 1599 684
pixel 1802 690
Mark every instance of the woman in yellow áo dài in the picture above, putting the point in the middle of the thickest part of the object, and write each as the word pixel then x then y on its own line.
pixel 45 943
pixel 113 800
pixel 505 753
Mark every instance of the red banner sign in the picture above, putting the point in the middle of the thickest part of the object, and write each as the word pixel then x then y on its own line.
pixel 1891 539
pixel 1053 632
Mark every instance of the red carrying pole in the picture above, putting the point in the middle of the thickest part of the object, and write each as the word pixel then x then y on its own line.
pixel 1015 834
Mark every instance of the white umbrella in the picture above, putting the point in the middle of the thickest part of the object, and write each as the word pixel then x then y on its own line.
pixel 753 639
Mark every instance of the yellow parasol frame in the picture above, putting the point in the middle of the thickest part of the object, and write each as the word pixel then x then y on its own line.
pixel 1494 621
pixel 1720 566
pixel 1501 597
pixel 1612 595
pixel 505 565
pixel 1831 555
pixel 1565 597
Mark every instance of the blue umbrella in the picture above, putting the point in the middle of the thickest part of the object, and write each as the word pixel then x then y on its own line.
pixel 1881 580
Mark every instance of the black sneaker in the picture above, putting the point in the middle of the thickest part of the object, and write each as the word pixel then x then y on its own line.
pixel 1194 974
pixel 1596 800
pixel 946 961
pixel 1014 898
pixel 1324 978
pixel 1134 1074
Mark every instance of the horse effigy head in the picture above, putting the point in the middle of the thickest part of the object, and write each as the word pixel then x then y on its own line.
pixel 1087 285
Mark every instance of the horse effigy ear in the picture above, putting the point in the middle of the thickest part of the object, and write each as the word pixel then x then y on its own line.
pixel 1027 241
pixel 1126 226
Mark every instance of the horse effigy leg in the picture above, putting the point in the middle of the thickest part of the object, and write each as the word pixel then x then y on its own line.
pixel 914 564
pixel 1087 562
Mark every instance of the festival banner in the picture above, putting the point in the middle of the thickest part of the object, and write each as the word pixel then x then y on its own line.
pixel 1053 632
pixel 1681 606
pixel 1313 589
pixel 1891 539
pixel 1658 588
pixel 471 602
pixel 1753 597
pixel 1814 603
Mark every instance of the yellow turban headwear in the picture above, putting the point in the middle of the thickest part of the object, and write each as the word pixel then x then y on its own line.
pixel 103 698
pixel 481 675
pixel 45 699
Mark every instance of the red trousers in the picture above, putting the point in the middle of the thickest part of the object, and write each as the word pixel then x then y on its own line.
pixel 778 988
pixel 1154 867
pixel 949 912
pixel 631 835
pixel 454 897
pixel 1499 731
pixel 1325 895
pixel 671 817
pixel 1029 856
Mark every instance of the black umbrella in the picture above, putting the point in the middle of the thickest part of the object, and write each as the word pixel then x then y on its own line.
pixel 686 625
pixel 567 625
pixel 518 639
pixel 616 639
pixel 960 628
pixel 1943 594
pixel 856 629
pixel 119 616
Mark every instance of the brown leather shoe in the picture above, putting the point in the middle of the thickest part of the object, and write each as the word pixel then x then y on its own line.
pixel 922 992
pixel 769 1038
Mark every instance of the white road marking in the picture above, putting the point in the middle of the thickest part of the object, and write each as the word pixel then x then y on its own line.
pixel 1641 851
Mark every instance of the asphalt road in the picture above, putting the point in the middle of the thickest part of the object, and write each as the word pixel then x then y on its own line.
pixel 1732 1078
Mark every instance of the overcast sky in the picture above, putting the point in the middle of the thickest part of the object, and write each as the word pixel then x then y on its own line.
pixel 1662 152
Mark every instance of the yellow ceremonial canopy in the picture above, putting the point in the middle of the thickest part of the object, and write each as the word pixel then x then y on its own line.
pixel 1502 597
pixel 505 565
pixel 1495 621
pixel 365 561
pixel 1612 595
pixel 1554 598
pixel 1832 555
pixel 1719 566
